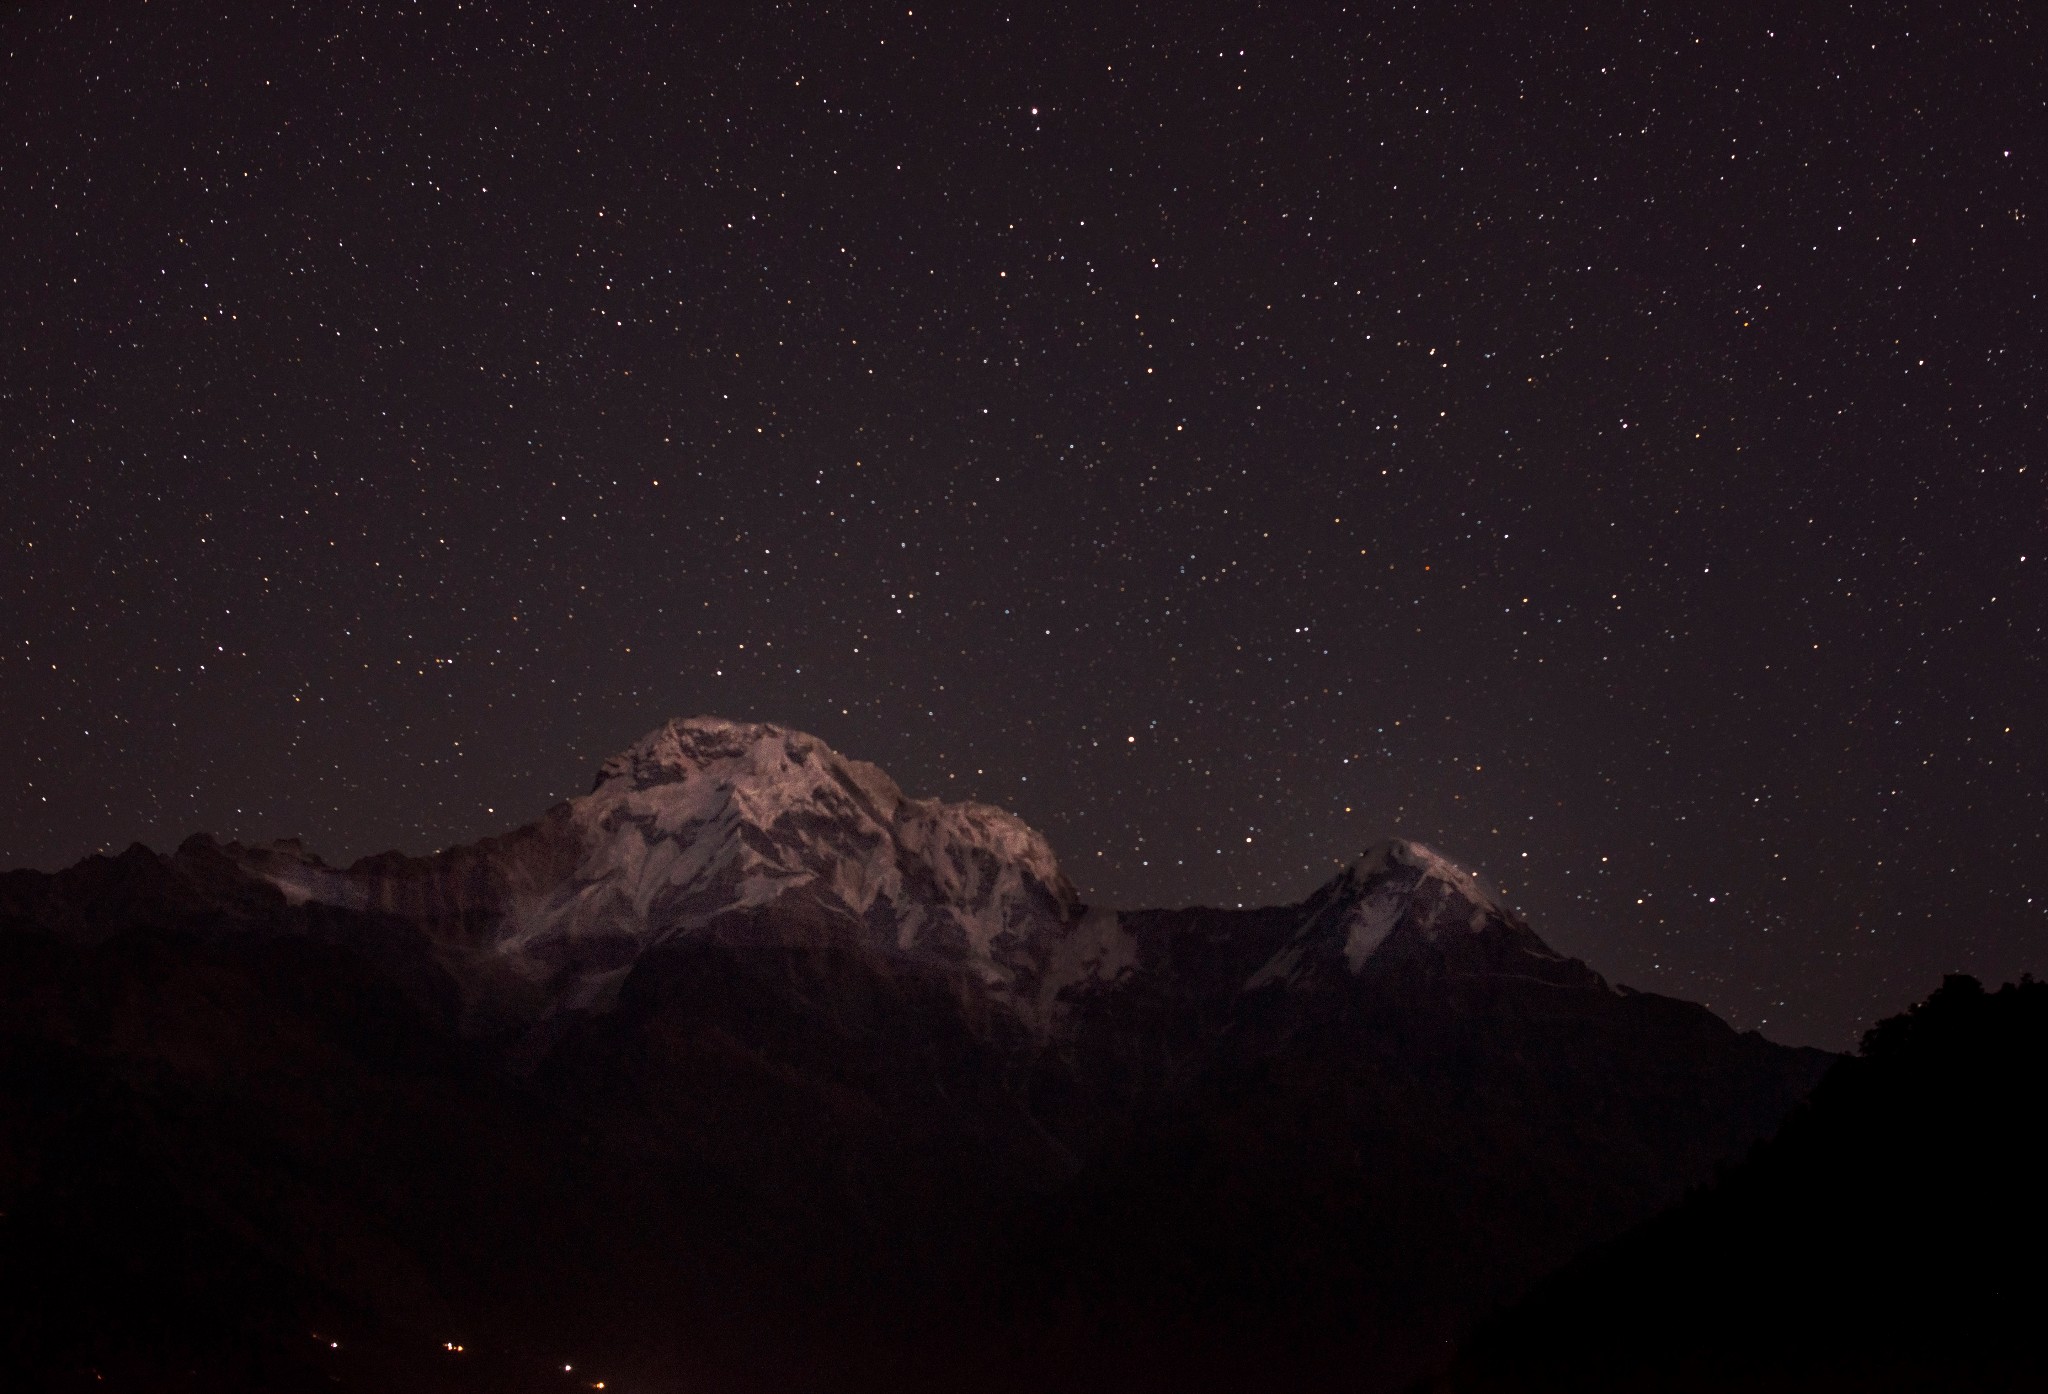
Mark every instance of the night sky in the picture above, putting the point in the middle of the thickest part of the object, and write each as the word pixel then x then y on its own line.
pixel 1605 446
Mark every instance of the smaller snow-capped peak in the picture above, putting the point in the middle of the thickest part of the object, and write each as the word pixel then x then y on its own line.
pixel 1402 878
pixel 1397 885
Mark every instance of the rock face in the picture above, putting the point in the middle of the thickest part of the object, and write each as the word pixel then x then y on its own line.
pixel 744 1068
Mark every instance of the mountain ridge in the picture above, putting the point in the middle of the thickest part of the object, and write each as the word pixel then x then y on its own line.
pixel 705 816
pixel 745 1061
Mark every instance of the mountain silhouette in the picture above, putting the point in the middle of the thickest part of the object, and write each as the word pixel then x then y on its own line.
pixel 1893 1236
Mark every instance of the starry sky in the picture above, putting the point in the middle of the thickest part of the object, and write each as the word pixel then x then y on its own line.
pixel 1607 446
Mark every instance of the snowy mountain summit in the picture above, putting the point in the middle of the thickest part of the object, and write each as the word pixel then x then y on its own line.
pixel 735 832
pixel 1402 900
pixel 704 817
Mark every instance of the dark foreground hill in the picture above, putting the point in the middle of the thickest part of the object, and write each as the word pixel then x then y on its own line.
pixel 745 1071
pixel 1892 1237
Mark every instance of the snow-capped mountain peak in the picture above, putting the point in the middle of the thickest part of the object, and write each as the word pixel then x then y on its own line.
pixel 705 820
pixel 1398 854
pixel 751 811
pixel 704 771
pixel 1398 888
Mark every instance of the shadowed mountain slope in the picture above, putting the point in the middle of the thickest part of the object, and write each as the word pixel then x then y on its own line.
pixel 1889 1238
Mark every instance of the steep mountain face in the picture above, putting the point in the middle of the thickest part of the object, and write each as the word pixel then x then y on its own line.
pixel 746 1069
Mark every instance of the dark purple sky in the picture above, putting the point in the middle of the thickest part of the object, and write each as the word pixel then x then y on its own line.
pixel 1608 447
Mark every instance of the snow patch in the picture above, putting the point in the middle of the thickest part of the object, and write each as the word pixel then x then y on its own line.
pixel 303 885
pixel 1371 921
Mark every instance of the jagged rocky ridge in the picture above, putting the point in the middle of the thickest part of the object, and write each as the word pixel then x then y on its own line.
pixel 746 1068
